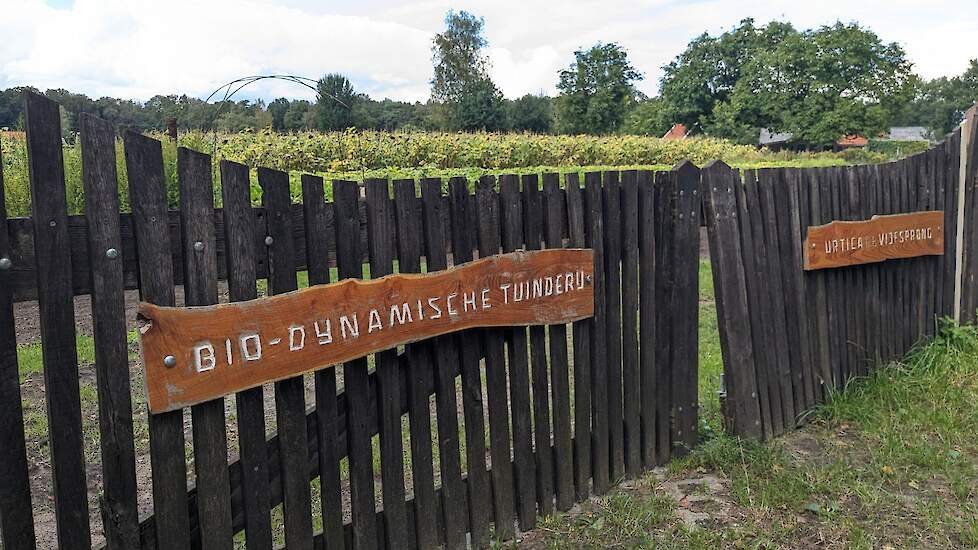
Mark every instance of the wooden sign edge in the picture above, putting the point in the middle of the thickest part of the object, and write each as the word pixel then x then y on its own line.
pixel 146 309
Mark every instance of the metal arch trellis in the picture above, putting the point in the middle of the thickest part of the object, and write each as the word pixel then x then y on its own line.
pixel 233 87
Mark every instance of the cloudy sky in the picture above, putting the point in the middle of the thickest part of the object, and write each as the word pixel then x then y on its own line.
pixel 139 48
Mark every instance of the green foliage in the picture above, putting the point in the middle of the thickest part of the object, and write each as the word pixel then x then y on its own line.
pixel 595 90
pixel 892 148
pixel 335 99
pixel 480 107
pixel 531 113
pixel 647 118
pixel 356 155
pixel 817 84
pixel 940 104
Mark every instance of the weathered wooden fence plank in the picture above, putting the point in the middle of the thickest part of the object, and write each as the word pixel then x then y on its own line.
pixel 631 375
pixel 685 309
pixel 240 235
pixel 647 313
pixel 581 334
pixel 752 259
pixel 49 212
pixel 477 476
pixel 380 226
pixel 446 353
pixel 200 289
pixel 611 191
pixel 594 239
pixel 719 191
pixel 554 209
pixel 665 195
pixel 120 513
pixel 409 242
pixel 533 237
pixel 519 375
pixel 16 515
pixel 355 379
pixel 488 209
pixel 290 408
pixel 147 192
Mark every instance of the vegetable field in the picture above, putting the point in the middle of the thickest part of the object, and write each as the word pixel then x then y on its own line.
pixel 356 155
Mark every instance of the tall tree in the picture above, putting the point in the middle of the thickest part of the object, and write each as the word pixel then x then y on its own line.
pixel 647 118
pixel 531 113
pixel 457 56
pixel 940 103
pixel 277 109
pixel 596 90
pixel 480 107
pixel 334 102
pixel 818 85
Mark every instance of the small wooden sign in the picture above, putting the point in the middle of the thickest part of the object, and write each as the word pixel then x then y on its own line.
pixel 196 354
pixel 880 238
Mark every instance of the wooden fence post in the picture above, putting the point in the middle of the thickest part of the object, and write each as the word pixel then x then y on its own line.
pixel 685 308
pixel 967 162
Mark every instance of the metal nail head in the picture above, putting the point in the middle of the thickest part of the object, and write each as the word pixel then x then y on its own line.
pixel 269 240
pixel 170 361
pixel 111 253
pixel 199 246
pixel 5 263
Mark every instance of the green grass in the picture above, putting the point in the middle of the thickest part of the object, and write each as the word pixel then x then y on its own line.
pixel 890 462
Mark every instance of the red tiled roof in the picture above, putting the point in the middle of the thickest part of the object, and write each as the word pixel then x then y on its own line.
pixel 853 140
pixel 678 131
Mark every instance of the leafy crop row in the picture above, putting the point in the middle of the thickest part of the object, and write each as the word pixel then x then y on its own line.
pixel 358 155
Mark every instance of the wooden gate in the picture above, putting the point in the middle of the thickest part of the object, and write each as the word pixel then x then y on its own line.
pixel 478 433
pixel 791 337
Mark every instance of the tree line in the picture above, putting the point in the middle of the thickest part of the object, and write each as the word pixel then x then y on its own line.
pixel 816 84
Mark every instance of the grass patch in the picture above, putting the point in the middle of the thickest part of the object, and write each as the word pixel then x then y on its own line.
pixel 890 462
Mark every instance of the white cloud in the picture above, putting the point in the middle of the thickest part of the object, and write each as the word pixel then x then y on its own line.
pixel 140 48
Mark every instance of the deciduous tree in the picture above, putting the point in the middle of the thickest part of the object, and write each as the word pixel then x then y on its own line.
pixel 596 90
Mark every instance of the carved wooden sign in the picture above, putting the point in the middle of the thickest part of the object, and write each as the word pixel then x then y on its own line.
pixel 196 354
pixel 880 238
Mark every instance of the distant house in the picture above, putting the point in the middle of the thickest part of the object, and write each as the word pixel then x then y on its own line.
pixel 908 133
pixel 774 141
pixel 850 141
pixel 678 131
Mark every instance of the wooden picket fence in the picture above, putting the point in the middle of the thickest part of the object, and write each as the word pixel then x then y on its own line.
pixel 528 421
pixel 790 337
